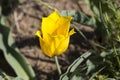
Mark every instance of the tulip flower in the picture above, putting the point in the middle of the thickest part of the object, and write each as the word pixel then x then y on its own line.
pixel 54 35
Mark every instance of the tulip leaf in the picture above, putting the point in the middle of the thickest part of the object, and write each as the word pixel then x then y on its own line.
pixel 74 70
pixel 91 66
pixel 16 60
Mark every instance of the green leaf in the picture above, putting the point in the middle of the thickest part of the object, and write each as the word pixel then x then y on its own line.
pixel 74 71
pixel 16 60
pixel 91 66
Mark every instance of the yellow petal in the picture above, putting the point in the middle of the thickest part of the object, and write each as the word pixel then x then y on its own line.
pixel 38 34
pixel 55 45
pixel 49 23
pixel 54 16
pixel 62 46
pixel 48 26
pixel 63 25
pixel 57 40
pixel 47 47
pixel 72 32
pixel 56 24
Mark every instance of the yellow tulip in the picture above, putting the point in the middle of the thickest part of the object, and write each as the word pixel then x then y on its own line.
pixel 54 35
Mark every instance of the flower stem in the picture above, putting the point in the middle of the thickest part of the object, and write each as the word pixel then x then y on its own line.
pixel 57 65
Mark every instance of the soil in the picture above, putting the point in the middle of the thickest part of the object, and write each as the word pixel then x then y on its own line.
pixel 27 20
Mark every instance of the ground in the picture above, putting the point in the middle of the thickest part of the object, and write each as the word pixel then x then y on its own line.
pixel 27 20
